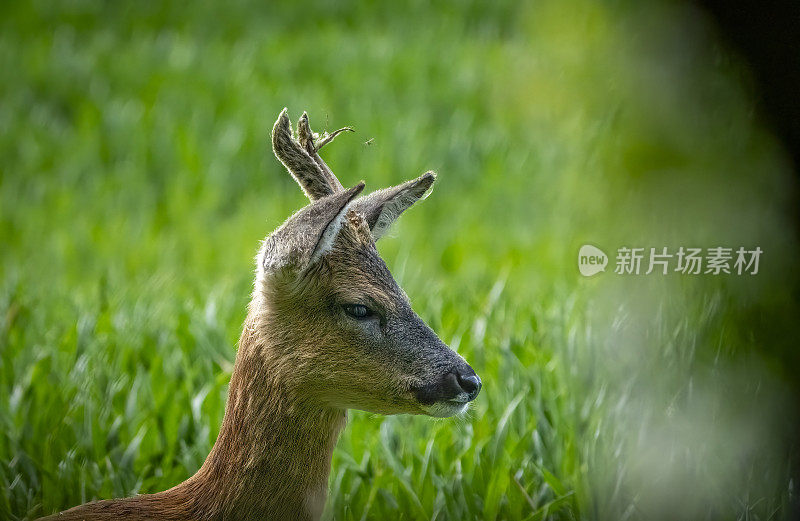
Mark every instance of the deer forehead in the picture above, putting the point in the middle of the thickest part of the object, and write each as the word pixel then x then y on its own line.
pixel 361 276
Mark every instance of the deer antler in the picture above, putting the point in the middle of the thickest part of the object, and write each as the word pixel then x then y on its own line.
pixel 307 141
pixel 301 157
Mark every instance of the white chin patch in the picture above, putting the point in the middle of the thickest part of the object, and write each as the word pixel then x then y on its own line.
pixel 445 409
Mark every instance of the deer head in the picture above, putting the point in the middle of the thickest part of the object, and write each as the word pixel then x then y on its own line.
pixel 328 330
pixel 337 319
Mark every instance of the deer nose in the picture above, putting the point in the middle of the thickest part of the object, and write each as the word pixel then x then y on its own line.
pixel 469 382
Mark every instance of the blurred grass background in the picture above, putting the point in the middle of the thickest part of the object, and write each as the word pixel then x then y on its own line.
pixel 136 181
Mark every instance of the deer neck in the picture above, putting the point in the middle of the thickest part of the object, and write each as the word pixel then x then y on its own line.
pixel 273 454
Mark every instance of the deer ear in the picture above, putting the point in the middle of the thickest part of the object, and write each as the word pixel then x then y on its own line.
pixel 383 207
pixel 309 234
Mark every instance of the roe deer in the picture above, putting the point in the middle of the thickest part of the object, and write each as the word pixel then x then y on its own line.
pixel 328 329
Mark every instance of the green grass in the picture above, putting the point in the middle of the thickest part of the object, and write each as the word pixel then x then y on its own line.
pixel 136 181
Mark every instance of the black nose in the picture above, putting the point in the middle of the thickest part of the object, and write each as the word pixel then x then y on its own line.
pixel 469 382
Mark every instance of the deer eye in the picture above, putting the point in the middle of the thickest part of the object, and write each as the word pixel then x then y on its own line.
pixel 357 310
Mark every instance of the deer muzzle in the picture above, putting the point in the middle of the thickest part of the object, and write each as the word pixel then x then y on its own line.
pixel 450 393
